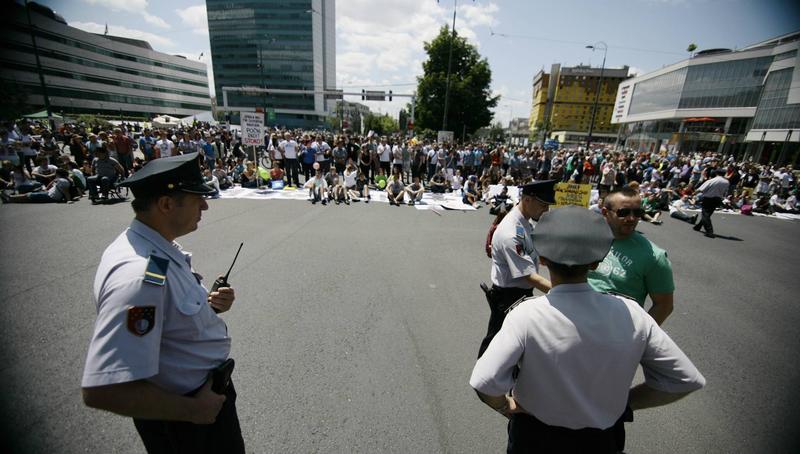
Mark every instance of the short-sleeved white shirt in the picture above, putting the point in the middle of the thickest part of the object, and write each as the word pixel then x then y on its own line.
pixel 577 352
pixel 513 256
pixel 289 149
pixel 186 340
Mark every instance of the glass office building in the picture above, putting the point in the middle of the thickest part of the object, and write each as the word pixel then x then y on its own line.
pixel 96 74
pixel 744 102
pixel 284 45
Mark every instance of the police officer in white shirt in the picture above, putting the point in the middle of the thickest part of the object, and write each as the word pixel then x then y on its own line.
pixel 577 350
pixel 158 342
pixel 515 266
pixel 711 193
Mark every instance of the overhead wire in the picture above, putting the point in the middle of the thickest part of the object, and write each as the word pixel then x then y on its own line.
pixel 566 41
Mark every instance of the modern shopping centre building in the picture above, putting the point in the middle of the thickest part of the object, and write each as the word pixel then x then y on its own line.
pixel 742 102
pixel 81 72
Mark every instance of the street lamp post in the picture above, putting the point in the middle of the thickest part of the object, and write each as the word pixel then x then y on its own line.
pixel 449 67
pixel 597 91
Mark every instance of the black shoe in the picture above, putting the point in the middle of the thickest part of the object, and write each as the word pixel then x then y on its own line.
pixel 324 202
pixel 347 202
pixel 697 227
pixel 338 202
pixel 710 235
pixel 313 202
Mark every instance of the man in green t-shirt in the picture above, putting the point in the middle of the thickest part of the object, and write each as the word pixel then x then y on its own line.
pixel 635 267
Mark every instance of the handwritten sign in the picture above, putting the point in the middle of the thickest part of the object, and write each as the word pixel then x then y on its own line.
pixel 252 128
pixel 573 194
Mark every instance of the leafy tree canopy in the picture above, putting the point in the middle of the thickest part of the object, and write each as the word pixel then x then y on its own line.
pixel 470 98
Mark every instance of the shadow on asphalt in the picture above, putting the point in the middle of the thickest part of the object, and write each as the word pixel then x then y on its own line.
pixel 730 238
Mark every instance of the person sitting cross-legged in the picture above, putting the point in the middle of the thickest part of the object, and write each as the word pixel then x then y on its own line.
pixel 361 189
pixel 415 191
pixel 317 187
pixel 395 190
pixel 438 183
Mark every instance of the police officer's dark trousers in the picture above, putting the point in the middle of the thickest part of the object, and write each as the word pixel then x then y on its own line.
pixel 708 204
pixel 526 434
pixel 224 436
pixel 500 299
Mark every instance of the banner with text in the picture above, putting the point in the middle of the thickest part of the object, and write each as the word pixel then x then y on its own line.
pixel 252 128
pixel 573 194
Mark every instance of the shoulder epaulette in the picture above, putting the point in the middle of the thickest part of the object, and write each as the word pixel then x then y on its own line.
pixel 156 271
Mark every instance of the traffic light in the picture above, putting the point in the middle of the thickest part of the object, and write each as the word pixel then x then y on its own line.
pixel 363 95
pixel 390 95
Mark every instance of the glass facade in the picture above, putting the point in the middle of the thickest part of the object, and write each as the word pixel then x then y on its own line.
pixel 773 112
pixel 727 84
pixel 734 83
pixel 86 72
pixel 264 43
pixel 659 93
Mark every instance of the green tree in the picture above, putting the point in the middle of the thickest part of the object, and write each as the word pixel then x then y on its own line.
pixel 403 120
pixel 381 124
pixel 470 98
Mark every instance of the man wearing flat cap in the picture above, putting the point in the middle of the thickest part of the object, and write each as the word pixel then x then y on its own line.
pixel 515 265
pixel 157 336
pixel 577 350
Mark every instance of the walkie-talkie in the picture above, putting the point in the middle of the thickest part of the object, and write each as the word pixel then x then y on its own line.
pixel 223 281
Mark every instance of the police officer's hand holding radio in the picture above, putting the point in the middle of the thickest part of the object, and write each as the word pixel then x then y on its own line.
pixel 221 295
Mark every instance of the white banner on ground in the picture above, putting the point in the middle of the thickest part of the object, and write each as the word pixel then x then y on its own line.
pixel 252 128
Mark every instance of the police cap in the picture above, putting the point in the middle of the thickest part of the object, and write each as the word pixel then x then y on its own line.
pixel 542 190
pixel 572 235
pixel 165 175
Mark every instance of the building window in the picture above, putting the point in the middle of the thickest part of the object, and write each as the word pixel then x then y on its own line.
pixel 773 112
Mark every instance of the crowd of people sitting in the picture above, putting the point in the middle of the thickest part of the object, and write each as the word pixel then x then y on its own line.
pixel 40 166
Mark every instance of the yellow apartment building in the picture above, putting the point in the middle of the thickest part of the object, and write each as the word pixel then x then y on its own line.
pixel 562 103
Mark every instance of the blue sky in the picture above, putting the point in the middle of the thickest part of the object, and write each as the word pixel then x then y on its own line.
pixel 380 42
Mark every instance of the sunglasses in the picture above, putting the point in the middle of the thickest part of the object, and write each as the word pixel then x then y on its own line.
pixel 625 212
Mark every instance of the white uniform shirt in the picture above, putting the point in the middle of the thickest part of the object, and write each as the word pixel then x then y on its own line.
pixel 513 257
pixel 186 339
pixel 578 350
pixel 715 187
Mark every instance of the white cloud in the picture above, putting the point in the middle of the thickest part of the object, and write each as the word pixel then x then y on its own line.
pixel 475 14
pixel 155 20
pixel 195 17
pixel 132 6
pixel 158 42
pixel 383 42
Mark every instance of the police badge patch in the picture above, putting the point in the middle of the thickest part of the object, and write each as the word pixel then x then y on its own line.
pixel 141 319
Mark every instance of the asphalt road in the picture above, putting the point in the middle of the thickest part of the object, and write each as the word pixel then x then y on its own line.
pixel 356 327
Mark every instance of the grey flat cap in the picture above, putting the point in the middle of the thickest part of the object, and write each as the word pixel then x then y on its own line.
pixel 572 235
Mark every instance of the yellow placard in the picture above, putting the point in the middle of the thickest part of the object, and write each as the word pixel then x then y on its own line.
pixel 573 194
